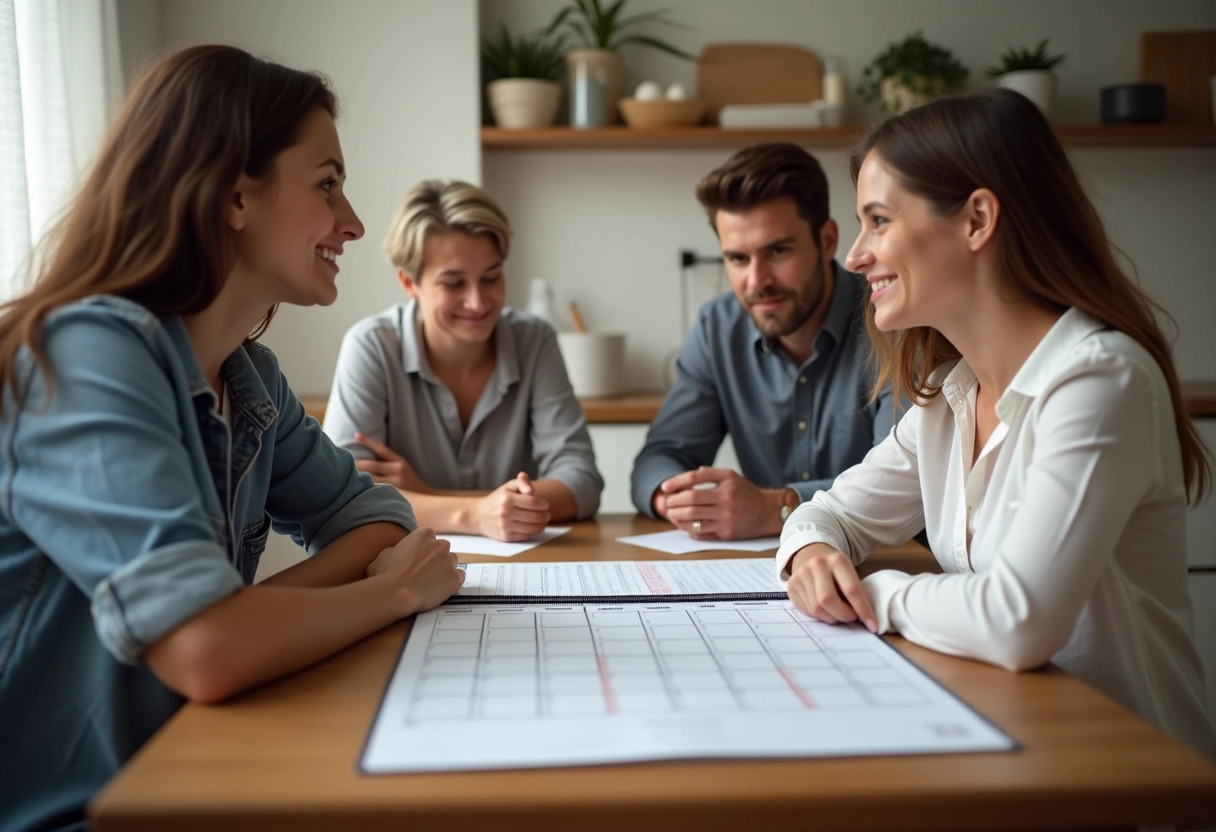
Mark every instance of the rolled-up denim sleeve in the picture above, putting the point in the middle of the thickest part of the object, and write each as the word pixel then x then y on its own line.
pixel 316 493
pixel 97 476
pixel 560 439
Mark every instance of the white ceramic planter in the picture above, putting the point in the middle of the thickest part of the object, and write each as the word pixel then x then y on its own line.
pixel 520 103
pixel 595 362
pixel 1036 84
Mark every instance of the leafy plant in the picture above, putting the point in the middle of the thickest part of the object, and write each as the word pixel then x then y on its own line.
pixel 539 55
pixel 922 67
pixel 601 25
pixel 1021 60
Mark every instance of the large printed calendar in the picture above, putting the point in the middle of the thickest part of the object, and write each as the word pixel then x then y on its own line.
pixel 525 685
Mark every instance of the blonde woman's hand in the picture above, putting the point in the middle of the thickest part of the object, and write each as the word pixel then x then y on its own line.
pixel 420 569
pixel 389 466
pixel 825 584
pixel 512 512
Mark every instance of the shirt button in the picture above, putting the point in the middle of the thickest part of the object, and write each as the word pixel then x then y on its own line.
pixel 806 475
pixel 802 426
pixel 802 379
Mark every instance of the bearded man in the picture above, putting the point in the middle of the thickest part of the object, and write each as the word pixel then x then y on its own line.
pixel 779 364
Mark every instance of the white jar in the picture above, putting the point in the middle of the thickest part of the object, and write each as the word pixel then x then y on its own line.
pixel 833 82
pixel 540 300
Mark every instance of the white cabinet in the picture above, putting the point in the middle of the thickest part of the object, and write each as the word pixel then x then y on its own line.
pixel 1201 555
pixel 616 446
pixel 1201 520
pixel 1203 596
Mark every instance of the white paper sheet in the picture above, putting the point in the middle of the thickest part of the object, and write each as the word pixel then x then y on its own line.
pixel 608 579
pixel 679 542
pixel 522 686
pixel 475 544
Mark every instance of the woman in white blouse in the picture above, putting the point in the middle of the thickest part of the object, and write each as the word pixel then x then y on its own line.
pixel 1048 455
pixel 459 401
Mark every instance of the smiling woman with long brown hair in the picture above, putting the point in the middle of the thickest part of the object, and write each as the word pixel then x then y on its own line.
pixel 1048 455
pixel 149 443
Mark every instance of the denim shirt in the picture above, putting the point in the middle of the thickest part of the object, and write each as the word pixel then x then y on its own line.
pixel 125 510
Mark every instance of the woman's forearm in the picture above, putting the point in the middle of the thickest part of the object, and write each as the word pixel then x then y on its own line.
pixel 446 511
pixel 343 561
pixel 264 632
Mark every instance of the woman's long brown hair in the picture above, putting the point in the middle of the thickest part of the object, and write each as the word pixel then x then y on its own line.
pixel 1052 246
pixel 149 222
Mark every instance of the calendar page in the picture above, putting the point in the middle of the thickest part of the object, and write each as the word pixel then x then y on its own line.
pixel 526 685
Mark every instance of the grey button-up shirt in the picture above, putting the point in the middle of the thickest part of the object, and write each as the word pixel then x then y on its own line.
pixel 527 418
pixel 795 426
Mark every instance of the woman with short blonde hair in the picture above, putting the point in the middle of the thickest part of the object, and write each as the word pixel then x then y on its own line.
pixel 437 207
pixel 460 402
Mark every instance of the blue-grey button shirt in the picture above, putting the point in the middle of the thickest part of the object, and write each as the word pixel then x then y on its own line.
pixel 795 426
pixel 124 511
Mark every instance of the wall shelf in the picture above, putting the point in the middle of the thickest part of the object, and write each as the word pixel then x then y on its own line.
pixel 624 138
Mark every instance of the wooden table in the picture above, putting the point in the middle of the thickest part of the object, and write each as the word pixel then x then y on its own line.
pixel 284 757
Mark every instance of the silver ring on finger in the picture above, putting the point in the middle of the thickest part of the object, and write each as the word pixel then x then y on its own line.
pixel 696 526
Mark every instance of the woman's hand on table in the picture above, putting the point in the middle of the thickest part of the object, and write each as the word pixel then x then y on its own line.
pixel 421 569
pixel 825 584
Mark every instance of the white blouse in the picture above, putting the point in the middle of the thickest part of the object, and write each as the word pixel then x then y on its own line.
pixel 1066 541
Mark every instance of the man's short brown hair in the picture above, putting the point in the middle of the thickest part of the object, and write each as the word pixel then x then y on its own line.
pixel 762 173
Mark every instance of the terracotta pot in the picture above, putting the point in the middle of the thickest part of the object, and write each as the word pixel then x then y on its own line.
pixel 520 103
pixel 603 62
pixel 1038 85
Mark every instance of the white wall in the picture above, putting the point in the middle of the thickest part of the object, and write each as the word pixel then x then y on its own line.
pixel 406 74
pixel 606 226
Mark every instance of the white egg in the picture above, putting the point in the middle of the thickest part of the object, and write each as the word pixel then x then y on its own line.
pixel 677 92
pixel 648 91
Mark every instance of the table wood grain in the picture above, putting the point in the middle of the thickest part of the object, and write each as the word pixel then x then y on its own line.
pixel 285 757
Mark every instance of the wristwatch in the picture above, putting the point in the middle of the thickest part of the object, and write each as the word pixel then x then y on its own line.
pixel 789 501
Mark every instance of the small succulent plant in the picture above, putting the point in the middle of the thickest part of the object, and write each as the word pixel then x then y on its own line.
pixel 538 55
pixel 1021 60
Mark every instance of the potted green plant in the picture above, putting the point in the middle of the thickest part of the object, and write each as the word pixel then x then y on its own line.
pixel 909 73
pixel 1029 71
pixel 522 74
pixel 599 28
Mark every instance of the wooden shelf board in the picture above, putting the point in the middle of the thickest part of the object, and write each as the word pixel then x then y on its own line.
pixel 624 138
pixel 1200 399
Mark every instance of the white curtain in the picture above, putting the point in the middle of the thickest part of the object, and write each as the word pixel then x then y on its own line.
pixel 59 82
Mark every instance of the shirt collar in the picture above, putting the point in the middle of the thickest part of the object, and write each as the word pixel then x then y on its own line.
pixel 1043 364
pixel 413 354
pixel 247 392
pixel 837 321
pixel 506 361
pixel 1039 369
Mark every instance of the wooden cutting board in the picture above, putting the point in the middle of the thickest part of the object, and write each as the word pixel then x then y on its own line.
pixel 1183 62
pixel 756 73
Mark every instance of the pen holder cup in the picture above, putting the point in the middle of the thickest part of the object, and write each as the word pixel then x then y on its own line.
pixel 595 362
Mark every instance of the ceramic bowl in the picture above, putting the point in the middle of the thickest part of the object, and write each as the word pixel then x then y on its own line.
pixel 643 115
